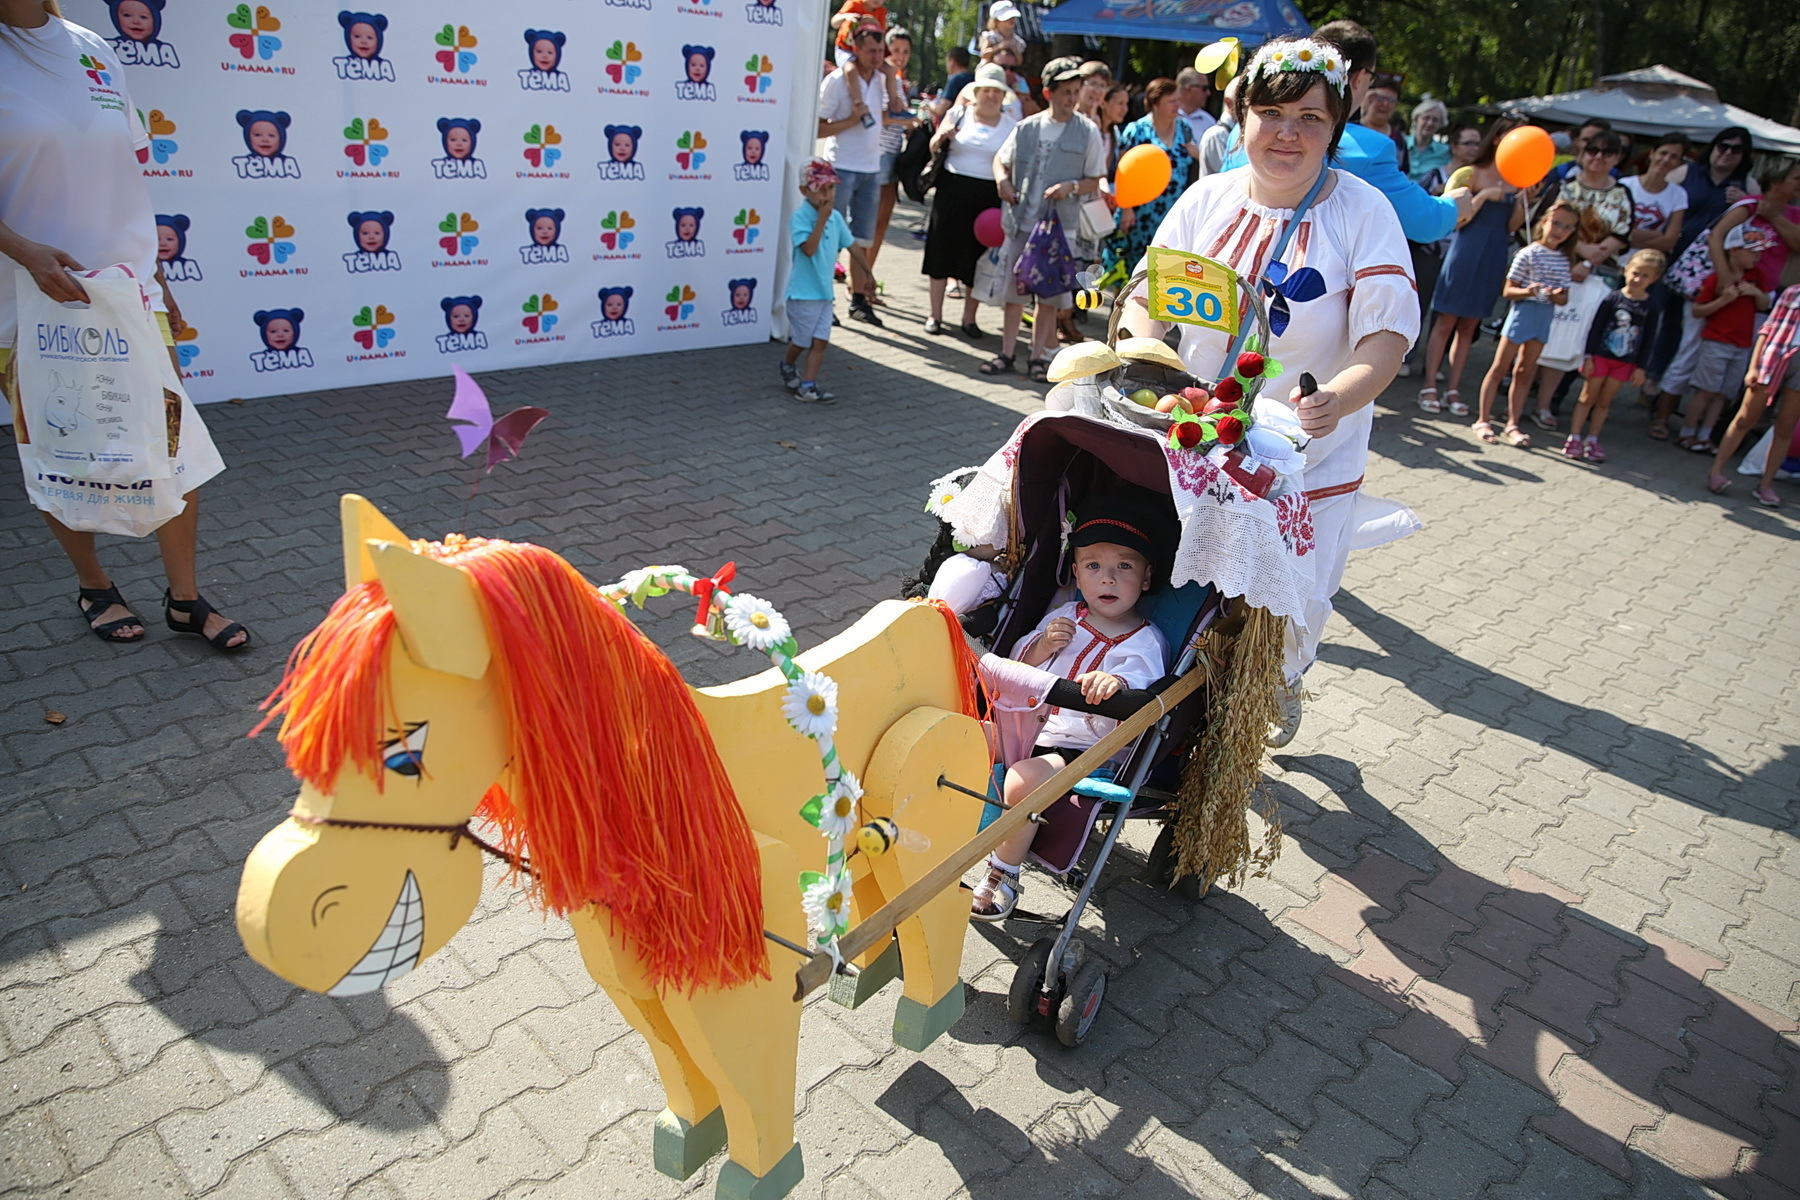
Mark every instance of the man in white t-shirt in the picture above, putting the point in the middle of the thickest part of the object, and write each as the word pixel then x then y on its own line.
pixel 1192 90
pixel 851 103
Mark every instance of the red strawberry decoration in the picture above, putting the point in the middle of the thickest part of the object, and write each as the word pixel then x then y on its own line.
pixel 1228 430
pixel 1250 364
pixel 1189 434
pixel 1229 388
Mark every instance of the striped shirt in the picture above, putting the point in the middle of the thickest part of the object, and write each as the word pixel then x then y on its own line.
pixel 1781 337
pixel 1538 263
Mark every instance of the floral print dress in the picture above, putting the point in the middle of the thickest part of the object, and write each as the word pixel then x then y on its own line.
pixel 1131 246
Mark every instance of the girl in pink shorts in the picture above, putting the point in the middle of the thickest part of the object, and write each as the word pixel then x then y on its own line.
pixel 1618 346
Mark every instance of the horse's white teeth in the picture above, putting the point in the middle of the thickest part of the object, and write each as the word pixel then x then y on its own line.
pixel 396 948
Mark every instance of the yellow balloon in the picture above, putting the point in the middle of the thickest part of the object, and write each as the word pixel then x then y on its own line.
pixel 1220 60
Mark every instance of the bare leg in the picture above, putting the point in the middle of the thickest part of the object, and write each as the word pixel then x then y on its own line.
pixel 1603 405
pixel 1741 425
pixel 176 539
pixel 815 356
pixel 79 546
pixel 1786 417
pixel 794 351
pixel 937 299
pixel 1442 326
pixel 1022 778
pixel 971 306
pixel 1590 392
pixel 1009 330
pixel 1459 352
pixel 1521 382
pixel 1490 383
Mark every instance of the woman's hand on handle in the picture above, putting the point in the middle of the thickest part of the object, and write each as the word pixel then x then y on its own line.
pixel 1373 365
pixel 49 268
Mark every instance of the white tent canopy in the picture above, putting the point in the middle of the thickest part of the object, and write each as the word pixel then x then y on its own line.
pixel 1655 100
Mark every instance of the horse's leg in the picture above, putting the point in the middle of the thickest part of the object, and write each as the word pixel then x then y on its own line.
pixel 903 773
pixel 747 1040
pixel 692 1128
pixel 880 964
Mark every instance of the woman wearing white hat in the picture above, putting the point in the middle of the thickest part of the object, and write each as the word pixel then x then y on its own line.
pixel 970 135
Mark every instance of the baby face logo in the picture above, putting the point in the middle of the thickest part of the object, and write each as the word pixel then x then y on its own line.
pixel 744 226
pixel 540 313
pixel 373 327
pixel 458 52
pixel 140 43
pixel 681 303
pixel 364 34
pixel 171 248
pixel 696 81
pixel 540 146
pixel 616 229
pixel 96 71
pixel 162 146
pixel 459 234
pixel 544 227
pixel 762 12
pixel 743 302
pixel 363 141
pixel 621 62
pixel 254 33
pixel 269 242
pixel 688 150
pixel 761 75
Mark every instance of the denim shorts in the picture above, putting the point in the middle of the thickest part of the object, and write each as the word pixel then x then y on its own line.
pixel 859 199
pixel 809 321
pixel 885 176
pixel 1527 321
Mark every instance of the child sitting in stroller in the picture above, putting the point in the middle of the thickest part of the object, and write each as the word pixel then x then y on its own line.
pixel 1101 643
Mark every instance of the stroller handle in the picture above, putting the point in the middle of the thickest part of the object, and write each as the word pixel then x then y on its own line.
pixel 1066 693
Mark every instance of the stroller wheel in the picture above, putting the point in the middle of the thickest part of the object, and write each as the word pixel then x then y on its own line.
pixel 1159 868
pixel 1028 981
pixel 1081 1003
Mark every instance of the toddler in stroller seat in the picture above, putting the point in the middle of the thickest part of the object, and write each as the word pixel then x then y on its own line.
pixel 1098 640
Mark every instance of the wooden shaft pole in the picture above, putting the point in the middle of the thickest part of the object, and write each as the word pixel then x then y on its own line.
pixel 881 923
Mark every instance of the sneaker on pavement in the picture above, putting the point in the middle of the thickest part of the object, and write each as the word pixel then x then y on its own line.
pixel 1593 451
pixel 1287 722
pixel 1572 447
pixel 862 310
pixel 790 376
pixel 813 394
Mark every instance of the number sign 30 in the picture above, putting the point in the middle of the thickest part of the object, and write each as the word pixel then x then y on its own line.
pixel 1191 290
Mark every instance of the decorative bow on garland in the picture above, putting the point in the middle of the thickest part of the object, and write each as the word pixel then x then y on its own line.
pixel 1280 287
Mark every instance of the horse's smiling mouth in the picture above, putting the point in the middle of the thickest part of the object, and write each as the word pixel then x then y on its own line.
pixel 396 948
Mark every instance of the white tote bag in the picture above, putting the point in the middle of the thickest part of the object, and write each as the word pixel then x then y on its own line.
pixel 90 379
pixel 1567 344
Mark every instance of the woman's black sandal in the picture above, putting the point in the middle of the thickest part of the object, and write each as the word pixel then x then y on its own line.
pixel 101 599
pixel 1000 364
pixel 1040 370
pixel 972 331
pixel 196 611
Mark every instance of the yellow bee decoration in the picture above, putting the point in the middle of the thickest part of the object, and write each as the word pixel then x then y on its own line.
pixel 1087 291
pixel 882 834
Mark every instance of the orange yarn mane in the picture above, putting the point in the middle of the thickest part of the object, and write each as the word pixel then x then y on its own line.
pixel 620 798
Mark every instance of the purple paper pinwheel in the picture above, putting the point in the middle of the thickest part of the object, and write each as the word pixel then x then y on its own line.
pixel 475 422
pixel 1281 286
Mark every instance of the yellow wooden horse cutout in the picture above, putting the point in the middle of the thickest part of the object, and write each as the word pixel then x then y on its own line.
pixel 375 869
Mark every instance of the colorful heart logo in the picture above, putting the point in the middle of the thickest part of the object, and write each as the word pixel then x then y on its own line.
pixel 354 130
pixel 468 224
pixel 383 316
pixel 681 305
pixel 281 228
pixel 534 136
pixel 469 243
pixel 448 224
pixel 377 131
pixel 383 337
pixel 243 43
pixel 265 20
pixel 259 251
pixel 376 154
pixel 531 304
pixel 160 123
pixel 364 316
pixel 258 228
pixel 187 354
pixel 163 149
pixel 283 251
pixel 266 46
pixel 239 17
pixel 356 152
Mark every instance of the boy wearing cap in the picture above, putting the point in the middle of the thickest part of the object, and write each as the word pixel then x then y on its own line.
pixel 818 231
pixel 1725 340
pixel 1099 641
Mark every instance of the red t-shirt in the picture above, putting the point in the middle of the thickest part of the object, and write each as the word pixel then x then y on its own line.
pixel 1735 324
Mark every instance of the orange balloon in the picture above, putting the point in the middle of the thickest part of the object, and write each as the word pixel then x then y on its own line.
pixel 1524 156
pixel 1142 175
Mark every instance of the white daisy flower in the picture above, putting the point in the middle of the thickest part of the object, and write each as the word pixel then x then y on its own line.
pixel 940 499
pixel 838 817
pixel 1304 56
pixel 753 622
pixel 827 904
pixel 811 704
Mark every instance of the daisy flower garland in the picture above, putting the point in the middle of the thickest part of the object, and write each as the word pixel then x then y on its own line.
pixel 809 705
pixel 1301 54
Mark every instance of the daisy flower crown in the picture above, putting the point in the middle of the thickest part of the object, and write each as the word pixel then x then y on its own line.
pixel 1301 54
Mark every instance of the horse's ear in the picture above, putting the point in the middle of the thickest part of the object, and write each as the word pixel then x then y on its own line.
pixel 363 521
pixel 436 608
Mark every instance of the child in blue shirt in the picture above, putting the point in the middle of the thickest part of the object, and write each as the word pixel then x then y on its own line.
pixel 818 231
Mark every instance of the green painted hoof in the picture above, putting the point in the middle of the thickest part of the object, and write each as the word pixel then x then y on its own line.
pixel 917 1026
pixel 852 990
pixel 737 1183
pixel 680 1149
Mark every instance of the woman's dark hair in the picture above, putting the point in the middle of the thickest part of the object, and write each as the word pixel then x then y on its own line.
pixel 1607 142
pixel 1502 125
pixel 1731 133
pixel 1285 87
pixel 1672 139
pixel 1156 90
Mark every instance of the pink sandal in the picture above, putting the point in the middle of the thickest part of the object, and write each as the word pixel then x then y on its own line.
pixel 1485 431
pixel 1517 437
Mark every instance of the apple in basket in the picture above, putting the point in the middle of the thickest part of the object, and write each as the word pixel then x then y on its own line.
pixel 1169 403
pixel 1218 405
pixel 1144 397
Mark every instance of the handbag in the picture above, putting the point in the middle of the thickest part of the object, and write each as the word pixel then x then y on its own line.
pixel 1046 267
pixel 917 166
pixel 1097 219
pixel 90 380
pixel 939 156
pixel 1690 270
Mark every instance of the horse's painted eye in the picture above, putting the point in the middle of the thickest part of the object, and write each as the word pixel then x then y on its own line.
pixel 406 755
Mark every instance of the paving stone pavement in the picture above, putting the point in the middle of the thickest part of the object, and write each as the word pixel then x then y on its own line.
pixel 1533 934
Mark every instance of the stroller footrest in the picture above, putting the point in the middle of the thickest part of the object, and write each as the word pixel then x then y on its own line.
pixel 1103 790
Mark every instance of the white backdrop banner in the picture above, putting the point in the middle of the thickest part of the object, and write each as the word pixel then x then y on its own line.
pixel 350 197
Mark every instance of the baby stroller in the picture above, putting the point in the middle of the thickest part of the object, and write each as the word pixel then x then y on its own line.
pixel 1062 459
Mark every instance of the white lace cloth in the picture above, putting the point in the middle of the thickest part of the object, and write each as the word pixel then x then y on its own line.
pixel 1259 549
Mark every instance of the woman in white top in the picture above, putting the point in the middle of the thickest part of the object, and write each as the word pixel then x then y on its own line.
pixel 973 133
pixel 72 197
pixel 1351 339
